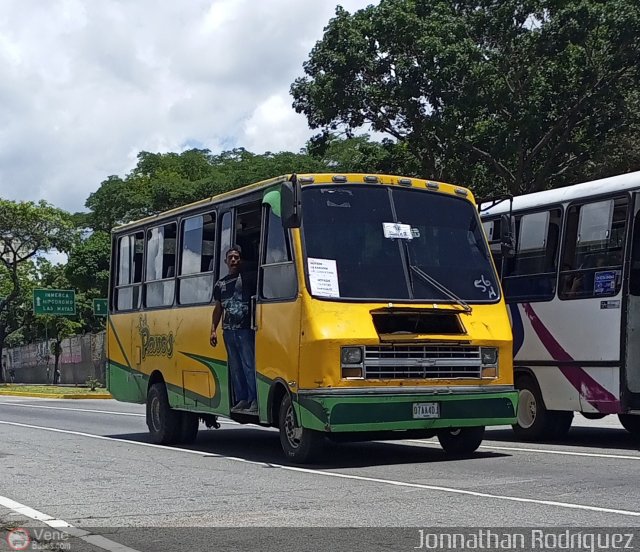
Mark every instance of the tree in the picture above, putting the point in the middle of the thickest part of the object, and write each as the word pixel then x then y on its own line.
pixel 514 95
pixel 27 229
pixel 161 181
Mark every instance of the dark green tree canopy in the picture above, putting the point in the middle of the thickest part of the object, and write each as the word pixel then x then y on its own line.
pixel 514 94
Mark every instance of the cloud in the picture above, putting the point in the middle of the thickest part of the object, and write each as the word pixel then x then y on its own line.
pixel 87 85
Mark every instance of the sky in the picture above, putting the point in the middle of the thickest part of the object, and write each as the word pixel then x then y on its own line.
pixel 86 86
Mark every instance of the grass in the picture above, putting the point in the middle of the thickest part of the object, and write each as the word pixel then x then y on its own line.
pixel 52 389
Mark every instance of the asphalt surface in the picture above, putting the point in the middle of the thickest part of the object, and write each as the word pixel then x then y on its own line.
pixel 90 464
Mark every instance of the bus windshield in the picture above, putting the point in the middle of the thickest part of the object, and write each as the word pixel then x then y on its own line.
pixel 378 243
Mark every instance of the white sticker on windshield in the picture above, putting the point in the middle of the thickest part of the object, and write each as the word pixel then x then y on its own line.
pixel 397 230
pixel 323 277
pixel 486 286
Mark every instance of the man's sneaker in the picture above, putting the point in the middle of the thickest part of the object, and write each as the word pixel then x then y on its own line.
pixel 242 405
pixel 253 408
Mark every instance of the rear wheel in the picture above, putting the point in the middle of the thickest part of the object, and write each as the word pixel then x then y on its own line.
pixel 163 422
pixel 535 422
pixel 461 441
pixel 299 444
pixel 631 423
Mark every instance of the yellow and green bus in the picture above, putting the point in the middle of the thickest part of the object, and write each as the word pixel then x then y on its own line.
pixel 377 313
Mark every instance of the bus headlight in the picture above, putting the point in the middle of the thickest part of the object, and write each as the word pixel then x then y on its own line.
pixel 489 356
pixel 351 361
pixel 351 355
pixel 489 360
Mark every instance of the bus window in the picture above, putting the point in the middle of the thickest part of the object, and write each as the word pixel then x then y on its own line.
pixel 197 259
pixel 225 243
pixel 531 274
pixel 593 249
pixel 278 279
pixel 129 272
pixel 161 265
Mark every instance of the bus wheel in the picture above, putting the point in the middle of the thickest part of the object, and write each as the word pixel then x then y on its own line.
pixel 535 422
pixel 298 443
pixel 189 427
pixel 461 441
pixel 631 423
pixel 163 422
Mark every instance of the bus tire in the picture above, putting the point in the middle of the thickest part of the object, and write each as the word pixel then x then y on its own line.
pixel 299 444
pixel 164 422
pixel 460 441
pixel 535 422
pixel 189 427
pixel 631 423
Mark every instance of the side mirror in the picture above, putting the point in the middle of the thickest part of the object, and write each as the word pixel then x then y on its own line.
pixel 291 204
pixel 507 236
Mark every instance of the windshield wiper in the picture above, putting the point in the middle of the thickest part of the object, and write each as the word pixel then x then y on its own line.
pixel 441 288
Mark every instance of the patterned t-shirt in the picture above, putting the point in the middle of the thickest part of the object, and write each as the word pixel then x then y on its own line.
pixel 234 293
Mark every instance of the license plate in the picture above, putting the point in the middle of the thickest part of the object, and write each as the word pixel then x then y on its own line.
pixel 423 411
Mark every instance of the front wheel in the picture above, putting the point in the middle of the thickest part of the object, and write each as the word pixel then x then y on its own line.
pixel 631 423
pixel 461 441
pixel 298 443
pixel 163 422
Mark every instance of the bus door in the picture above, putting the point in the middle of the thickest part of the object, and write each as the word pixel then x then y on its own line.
pixel 630 377
pixel 278 310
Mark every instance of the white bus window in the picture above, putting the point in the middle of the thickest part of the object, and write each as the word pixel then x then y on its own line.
pixel 161 265
pixel 534 229
pixel 593 249
pixel 594 225
pixel 129 271
pixel 197 256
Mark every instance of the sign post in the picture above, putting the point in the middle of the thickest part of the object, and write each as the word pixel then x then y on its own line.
pixel 56 302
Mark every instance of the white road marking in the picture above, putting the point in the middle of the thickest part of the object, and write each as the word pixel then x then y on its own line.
pixel 73 409
pixel 438 488
pixel 87 536
pixel 94 411
pixel 539 451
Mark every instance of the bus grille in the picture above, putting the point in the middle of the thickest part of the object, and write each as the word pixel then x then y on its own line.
pixel 422 362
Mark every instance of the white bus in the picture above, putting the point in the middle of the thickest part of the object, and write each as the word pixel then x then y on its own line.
pixel 572 283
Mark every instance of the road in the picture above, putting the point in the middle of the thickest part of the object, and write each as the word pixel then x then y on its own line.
pixel 90 464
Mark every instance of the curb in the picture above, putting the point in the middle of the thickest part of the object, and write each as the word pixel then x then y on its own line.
pixel 55 396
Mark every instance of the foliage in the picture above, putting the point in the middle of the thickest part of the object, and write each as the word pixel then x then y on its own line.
pixel 87 269
pixel 516 94
pixel 26 230
pixel 161 181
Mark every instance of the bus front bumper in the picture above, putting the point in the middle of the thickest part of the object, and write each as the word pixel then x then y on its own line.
pixel 342 412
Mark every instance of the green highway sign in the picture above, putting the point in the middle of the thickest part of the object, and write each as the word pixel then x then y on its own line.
pixel 54 301
pixel 100 307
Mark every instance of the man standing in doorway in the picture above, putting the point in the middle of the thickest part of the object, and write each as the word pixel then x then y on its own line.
pixel 232 296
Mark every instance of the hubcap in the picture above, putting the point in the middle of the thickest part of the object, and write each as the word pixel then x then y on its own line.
pixel 526 409
pixel 292 432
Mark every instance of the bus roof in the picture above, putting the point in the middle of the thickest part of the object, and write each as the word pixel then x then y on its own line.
pixel 307 179
pixel 594 188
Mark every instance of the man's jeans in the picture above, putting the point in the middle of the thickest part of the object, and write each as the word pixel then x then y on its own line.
pixel 241 352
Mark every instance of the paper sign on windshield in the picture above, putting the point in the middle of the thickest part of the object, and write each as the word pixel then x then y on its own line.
pixel 323 277
pixel 397 230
